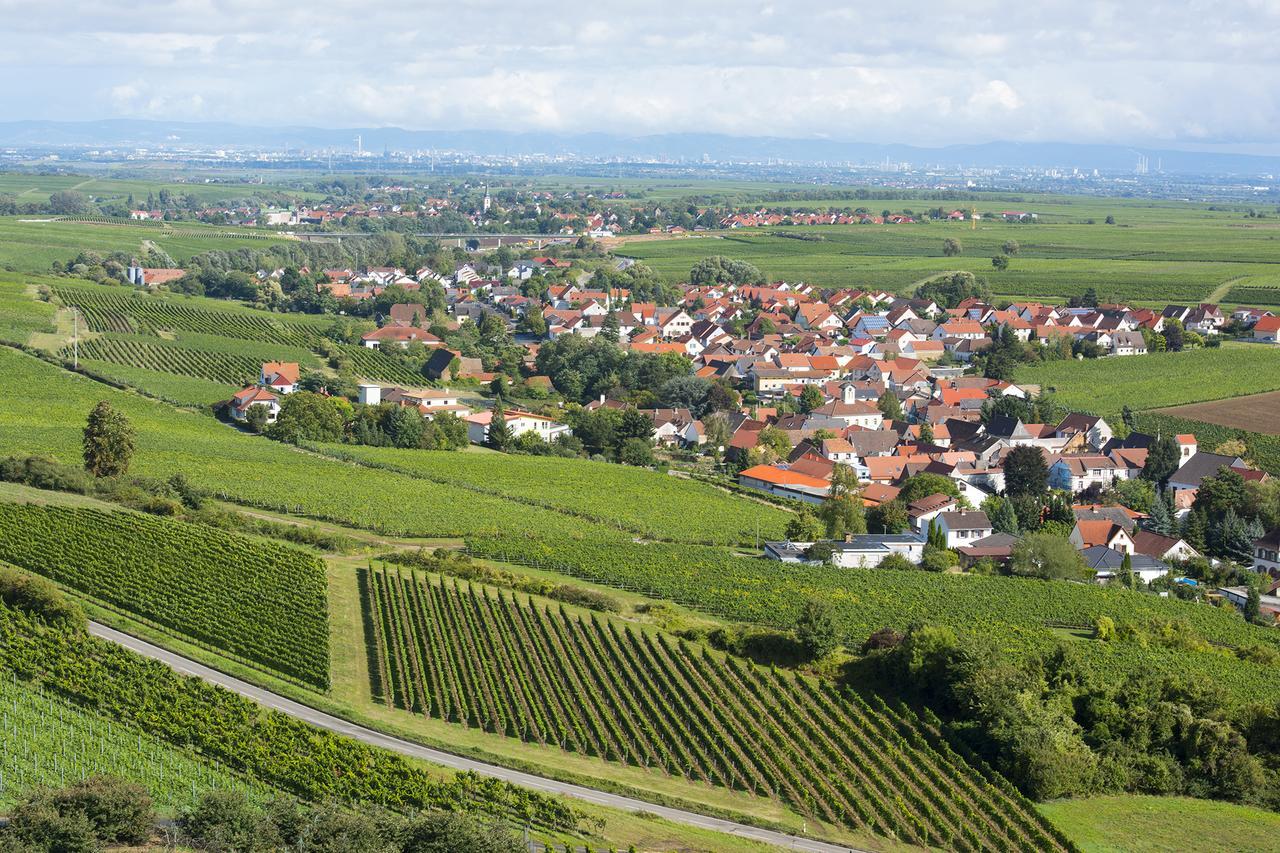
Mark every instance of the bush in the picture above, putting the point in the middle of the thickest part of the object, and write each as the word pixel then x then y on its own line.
pixel 98 810
pixel 588 598
pixel 43 473
pixel 225 821
pixel 40 597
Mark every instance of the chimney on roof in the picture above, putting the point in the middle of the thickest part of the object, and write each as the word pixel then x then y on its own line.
pixel 848 537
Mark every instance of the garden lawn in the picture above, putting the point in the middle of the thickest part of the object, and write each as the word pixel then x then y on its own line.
pixel 1142 824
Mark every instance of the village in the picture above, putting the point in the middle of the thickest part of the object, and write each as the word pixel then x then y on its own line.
pixel 827 389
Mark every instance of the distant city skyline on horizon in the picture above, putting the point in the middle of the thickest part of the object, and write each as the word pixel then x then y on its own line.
pixel 1163 75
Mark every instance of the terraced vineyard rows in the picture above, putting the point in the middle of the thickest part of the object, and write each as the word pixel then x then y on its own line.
pixel 602 688
pixel 129 313
pixel 45 740
pixel 201 364
pixel 377 365
pixel 264 602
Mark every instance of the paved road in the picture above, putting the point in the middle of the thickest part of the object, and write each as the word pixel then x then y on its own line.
pixel 186 666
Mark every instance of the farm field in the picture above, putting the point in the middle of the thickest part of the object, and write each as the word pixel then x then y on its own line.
pixel 1011 612
pixel 1105 386
pixel 21 315
pixel 253 599
pixel 1143 824
pixel 631 499
pixel 511 666
pixel 46 408
pixel 28 244
pixel 29 187
pixel 45 740
pixel 1256 412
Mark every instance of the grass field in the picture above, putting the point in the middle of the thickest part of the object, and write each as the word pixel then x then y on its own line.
pixel 1105 386
pixel 30 187
pixel 28 244
pixel 1166 254
pixel 1141 824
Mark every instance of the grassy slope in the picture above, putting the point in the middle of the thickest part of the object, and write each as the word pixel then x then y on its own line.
pixel 43 411
pixel 21 314
pixel 1153 381
pixel 31 246
pixel 642 501
pixel 1138 824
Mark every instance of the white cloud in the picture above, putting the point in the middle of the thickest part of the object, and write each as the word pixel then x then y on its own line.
pixel 1087 70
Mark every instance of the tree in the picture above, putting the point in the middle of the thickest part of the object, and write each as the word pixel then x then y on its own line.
pixel 256 418
pixel 1005 518
pixel 635 424
pixel 811 398
pixel 1163 457
pixel 499 437
pixel 611 328
pixel 1161 520
pixel 1253 604
pixel 305 416
pixel 774 440
pixel 1173 335
pixel 843 515
pixel 1025 472
pixel 1010 247
pixel 924 484
pixel 816 629
pixel 1110 220
pixel 68 203
pixel 804 526
pixel 1000 262
pixel 108 441
pixel 721 270
pixel 888 517
pixel 637 452
pixel 1043 555
pixel 951 247
pixel 890 406
pixel 926 432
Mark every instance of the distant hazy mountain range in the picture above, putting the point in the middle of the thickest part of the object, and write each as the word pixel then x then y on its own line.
pixel 687 146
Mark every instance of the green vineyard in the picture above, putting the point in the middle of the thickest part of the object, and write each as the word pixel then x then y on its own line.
pixel 264 602
pixel 45 740
pixel 129 313
pixel 376 365
pixel 509 666
pixel 159 355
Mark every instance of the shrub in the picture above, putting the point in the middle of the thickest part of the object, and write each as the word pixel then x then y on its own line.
pixel 40 597
pixel 83 816
pixel 589 598
pixel 43 473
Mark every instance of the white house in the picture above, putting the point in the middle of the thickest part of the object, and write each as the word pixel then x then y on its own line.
pixel 518 423
pixel 280 376
pixel 243 401
pixel 963 527
pixel 1266 552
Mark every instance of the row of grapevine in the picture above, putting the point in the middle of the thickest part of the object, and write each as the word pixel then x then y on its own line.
pixel 378 366
pixel 227 368
pixel 127 311
pixel 505 664
pixel 257 600
pixel 267 745
pixel 45 740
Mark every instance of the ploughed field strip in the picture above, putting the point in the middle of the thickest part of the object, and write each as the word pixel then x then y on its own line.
pixel 508 665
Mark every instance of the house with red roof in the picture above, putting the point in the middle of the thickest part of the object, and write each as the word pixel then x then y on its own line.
pixel 280 376
pixel 1267 330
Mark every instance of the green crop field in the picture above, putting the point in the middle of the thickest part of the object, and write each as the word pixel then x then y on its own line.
pixel 225 727
pixel 511 666
pixel 45 407
pixel 47 741
pixel 1105 386
pixel 29 187
pixel 253 599
pixel 1141 824
pixel 21 314
pixel 33 243
pixel 1013 612
pixel 632 499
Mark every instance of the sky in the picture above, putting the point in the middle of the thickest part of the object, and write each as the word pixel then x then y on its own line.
pixel 1155 72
